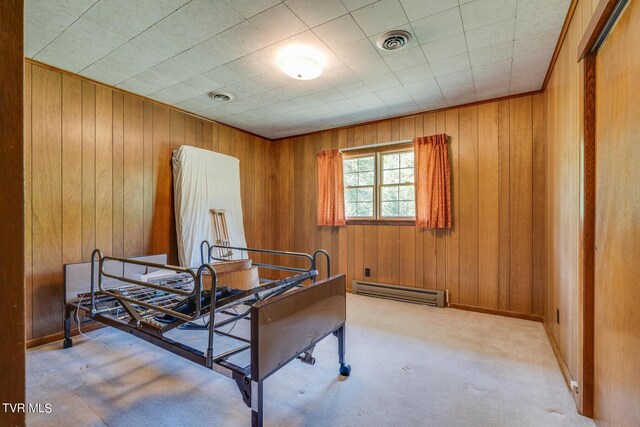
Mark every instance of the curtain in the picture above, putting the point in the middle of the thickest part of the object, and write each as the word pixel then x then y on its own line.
pixel 432 182
pixel 330 188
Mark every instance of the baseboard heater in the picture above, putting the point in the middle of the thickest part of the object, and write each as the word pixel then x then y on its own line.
pixel 399 293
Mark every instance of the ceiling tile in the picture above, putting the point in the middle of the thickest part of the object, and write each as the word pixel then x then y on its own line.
pixel 445 48
pixel 369 99
pixel 405 58
pixel 340 76
pixel 197 21
pixel 430 101
pixel 455 80
pixel 531 5
pixel 415 74
pixel 286 24
pixel 418 9
pixel 535 43
pixel 155 79
pixel 491 54
pixel 450 65
pixel 222 75
pixel 383 81
pixel 130 18
pixel 357 52
pixel 354 89
pixel 422 86
pixel 479 13
pixel 380 16
pixel 44 20
pixel 312 15
pixel 439 26
pixel 272 79
pixel 80 45
pixel 187 64
pixel 539 61
pixel 540 20
pixel 492 34
pixel 352 5
pixel 106 72
pixel 497 72
pixel 339 32
pixel 404 107
pixel 249 8
pixel 371 68
pixel 136 85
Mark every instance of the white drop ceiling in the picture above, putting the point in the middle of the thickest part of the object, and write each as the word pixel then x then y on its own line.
pixel 176 51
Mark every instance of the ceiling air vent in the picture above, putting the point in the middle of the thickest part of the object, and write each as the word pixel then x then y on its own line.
pixel 394 40
pixel 221 96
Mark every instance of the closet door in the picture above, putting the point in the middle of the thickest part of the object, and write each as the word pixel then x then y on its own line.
pixel 617 217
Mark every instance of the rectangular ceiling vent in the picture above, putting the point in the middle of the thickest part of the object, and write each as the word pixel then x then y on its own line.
pixel 399 293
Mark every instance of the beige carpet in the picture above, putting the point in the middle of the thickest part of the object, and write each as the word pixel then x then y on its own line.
pixel 412 365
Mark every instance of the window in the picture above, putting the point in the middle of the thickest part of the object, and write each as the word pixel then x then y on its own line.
pixel 379 185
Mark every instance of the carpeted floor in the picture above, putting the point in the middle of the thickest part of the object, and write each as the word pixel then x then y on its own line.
pixel 412 365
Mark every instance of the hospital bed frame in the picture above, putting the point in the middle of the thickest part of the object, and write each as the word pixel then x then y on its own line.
pixel 288 316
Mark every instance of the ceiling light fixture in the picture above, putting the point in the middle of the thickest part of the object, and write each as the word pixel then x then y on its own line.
pixel 301 62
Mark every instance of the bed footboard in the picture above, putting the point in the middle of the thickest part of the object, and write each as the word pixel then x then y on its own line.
pixel 289 325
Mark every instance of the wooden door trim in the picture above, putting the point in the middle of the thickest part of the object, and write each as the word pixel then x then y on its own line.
pixel 603 18
pixel 12 315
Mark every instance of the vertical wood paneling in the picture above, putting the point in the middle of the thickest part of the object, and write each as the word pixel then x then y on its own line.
pixel 488 189
pixel 99 165
pixel 104 170
pixel 46 149
pixel 88 169
pixel 504 172
pixel 118 173
pixel 520 206
pixel 133 164
pixel 538 203
pixel 72 201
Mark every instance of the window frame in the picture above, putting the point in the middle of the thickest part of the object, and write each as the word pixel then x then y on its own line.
pixel 373 187
pixel 380 185
pixel 377 219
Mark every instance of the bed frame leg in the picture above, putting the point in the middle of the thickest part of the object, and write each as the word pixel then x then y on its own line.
pixel 256 403
pixel 345 369
pixel 68 342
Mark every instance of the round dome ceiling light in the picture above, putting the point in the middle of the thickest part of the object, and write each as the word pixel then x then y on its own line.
pixel 221 96
pixel 393 40
pixel 301 62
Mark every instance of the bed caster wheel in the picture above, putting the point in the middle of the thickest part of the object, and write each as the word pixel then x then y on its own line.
pixel 345 370
pixel 67 343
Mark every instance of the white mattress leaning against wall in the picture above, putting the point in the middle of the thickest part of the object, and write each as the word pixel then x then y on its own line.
pixel 205 180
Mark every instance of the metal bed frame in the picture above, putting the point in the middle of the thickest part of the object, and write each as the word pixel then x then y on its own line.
pixel 307 308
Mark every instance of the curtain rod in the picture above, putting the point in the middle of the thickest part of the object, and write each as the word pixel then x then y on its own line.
pixel 383 144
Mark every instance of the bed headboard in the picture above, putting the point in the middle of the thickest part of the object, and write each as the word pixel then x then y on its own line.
pixel 77 277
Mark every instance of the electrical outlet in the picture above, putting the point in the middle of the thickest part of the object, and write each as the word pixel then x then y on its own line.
pixel 574 386
pixel 367 272
pixel 558 316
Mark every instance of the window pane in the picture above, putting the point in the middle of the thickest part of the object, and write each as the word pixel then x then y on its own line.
pixel 351 209
pixel 407 192
pixel 389 194
pixel 391 177
pixel 365 164
pixel 407 209
pixel 351 179
pixel 365 209
pixel 390 161
pixel 366 178
pixel 351 195
pixel 365 194
pixel 390 208
pixel 406 175
pixel 350 165
pixel 406 160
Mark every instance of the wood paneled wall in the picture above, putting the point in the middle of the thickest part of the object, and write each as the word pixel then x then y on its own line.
pixel 564 162
pixel 617 239
pixel 12 335
pixel 493 255
pixel 98 175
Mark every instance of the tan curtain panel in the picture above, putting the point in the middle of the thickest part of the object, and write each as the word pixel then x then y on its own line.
pixel 432 181
pixel 330 188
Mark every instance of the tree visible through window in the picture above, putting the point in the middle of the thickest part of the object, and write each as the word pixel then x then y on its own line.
pixel 379 185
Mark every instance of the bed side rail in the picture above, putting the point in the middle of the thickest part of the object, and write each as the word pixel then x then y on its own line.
pixel 286 326
pixel 206 257
pixel 103 274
